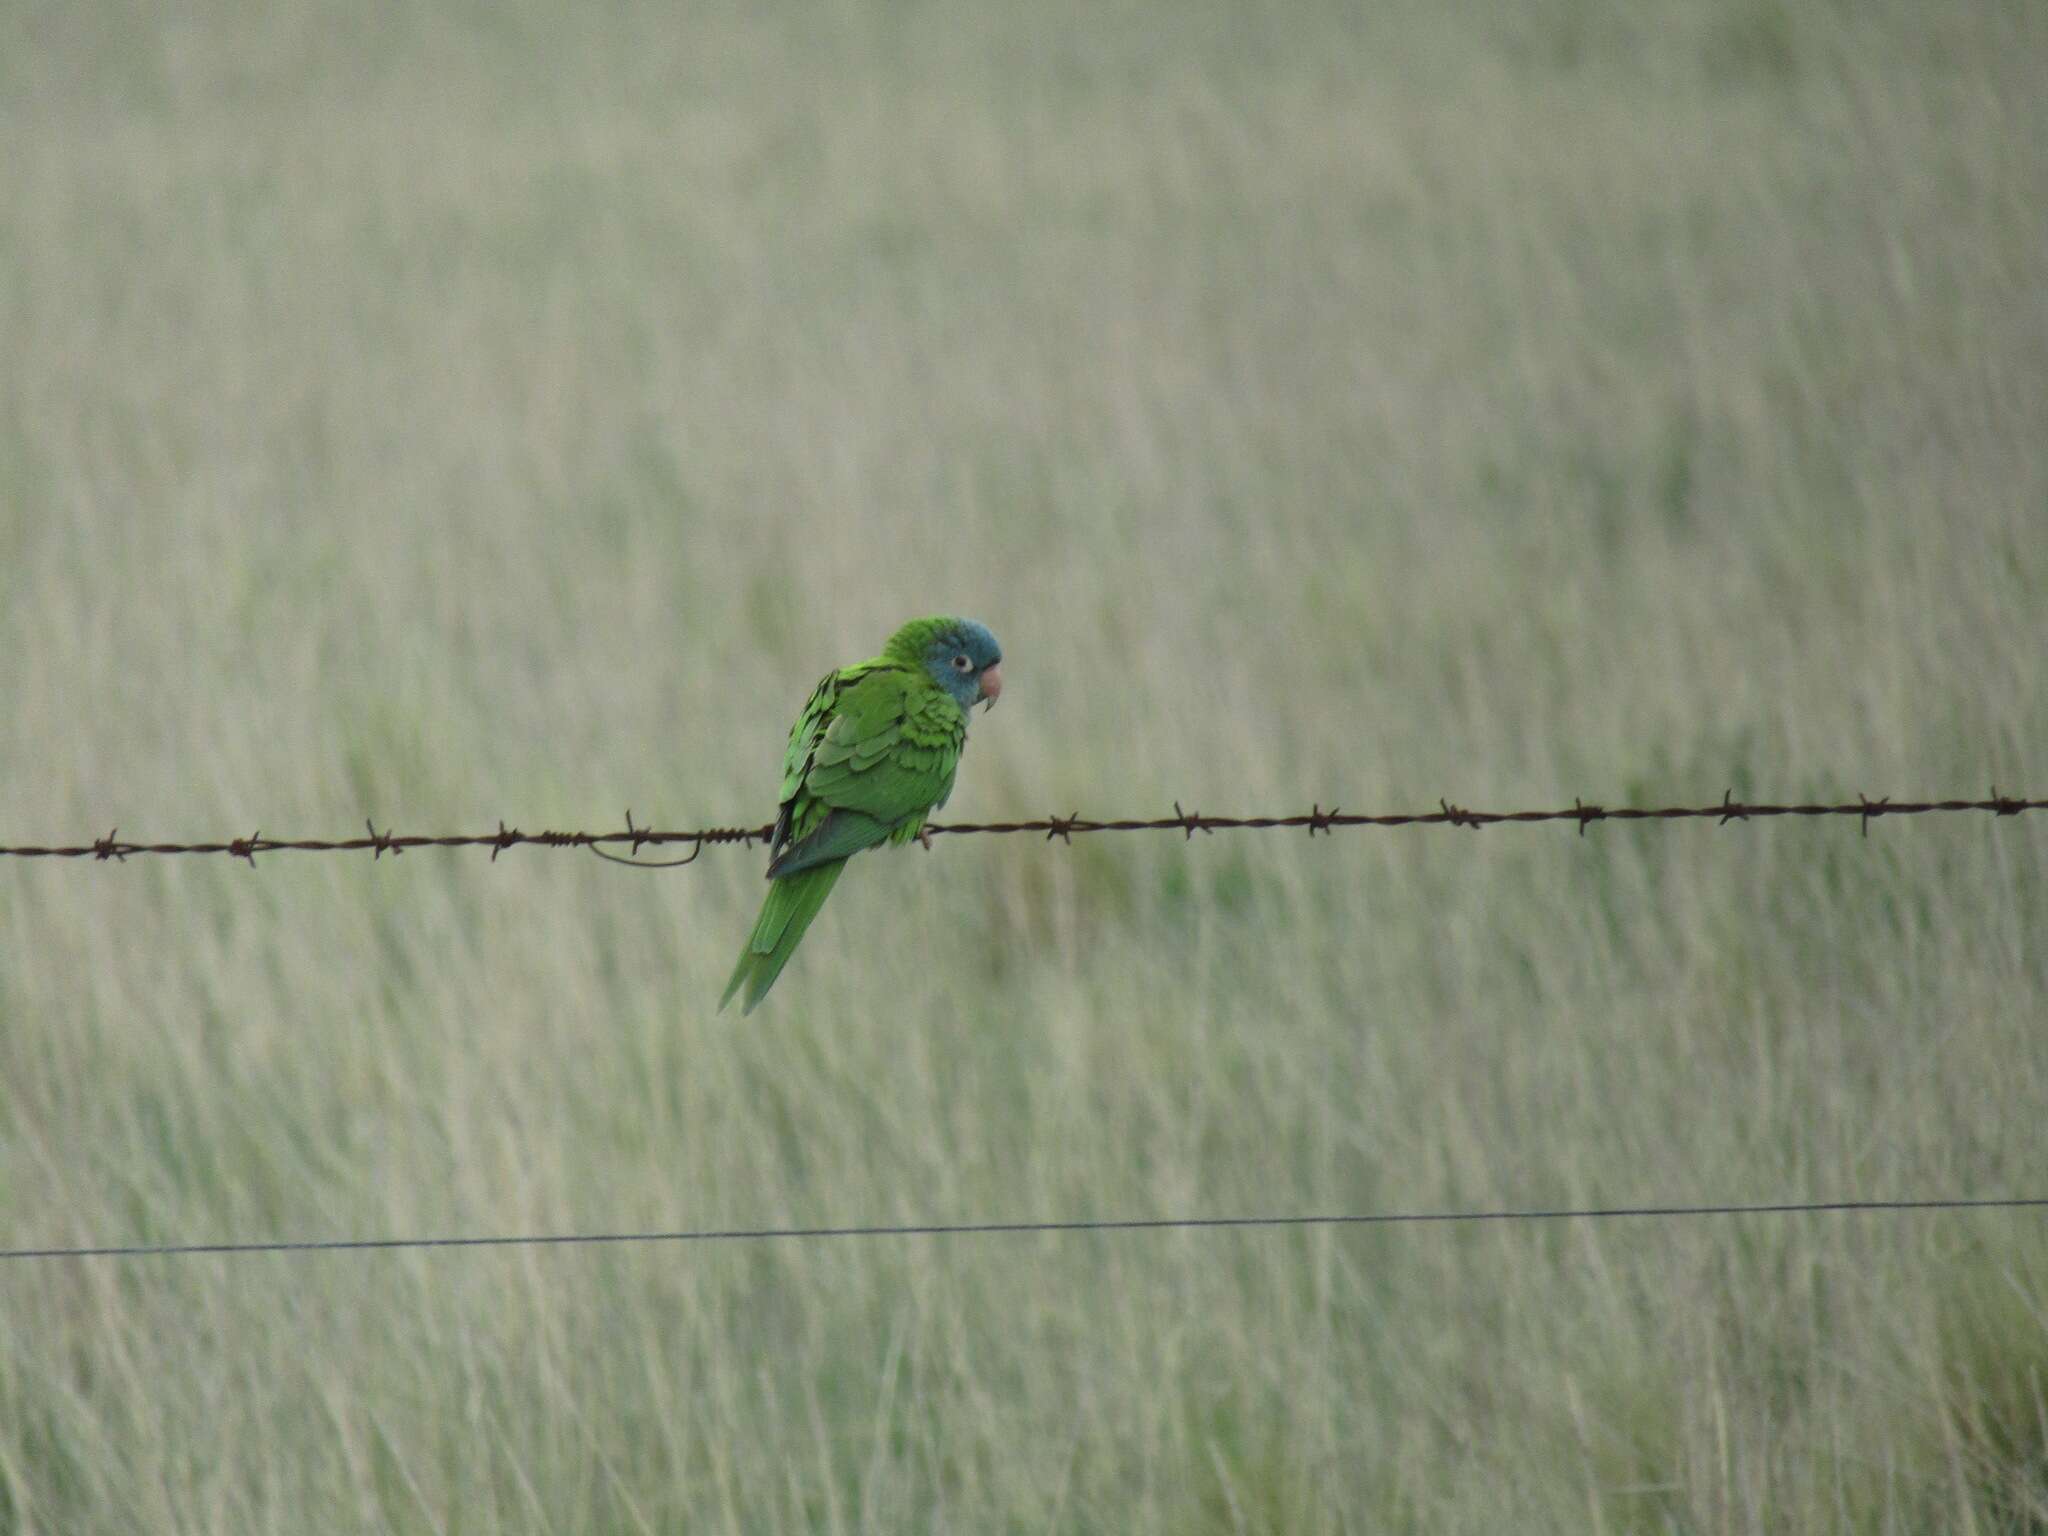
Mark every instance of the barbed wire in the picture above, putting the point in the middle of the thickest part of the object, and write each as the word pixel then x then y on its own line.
pixel 1020 1228
pixel 1863 809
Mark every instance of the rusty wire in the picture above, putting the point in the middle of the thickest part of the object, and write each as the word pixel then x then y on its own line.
pixel 1863 809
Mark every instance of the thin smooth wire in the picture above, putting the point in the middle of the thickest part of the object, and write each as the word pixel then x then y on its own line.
pixel 1005 1228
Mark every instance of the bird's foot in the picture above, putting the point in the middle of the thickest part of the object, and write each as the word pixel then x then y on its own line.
pixel 924 838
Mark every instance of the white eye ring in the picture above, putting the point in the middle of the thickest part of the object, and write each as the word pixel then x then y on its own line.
pixel 961 663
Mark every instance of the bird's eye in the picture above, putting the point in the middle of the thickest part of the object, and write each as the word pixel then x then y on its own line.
pixel 962 664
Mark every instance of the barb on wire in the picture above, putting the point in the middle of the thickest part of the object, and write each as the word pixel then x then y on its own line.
pixel 639 836
pixel 1010 1228
pixel 1863 809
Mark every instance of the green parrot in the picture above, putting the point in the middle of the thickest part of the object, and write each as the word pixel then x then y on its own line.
pixel 869 758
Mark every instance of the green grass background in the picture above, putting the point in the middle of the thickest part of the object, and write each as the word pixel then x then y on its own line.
pixel 443 413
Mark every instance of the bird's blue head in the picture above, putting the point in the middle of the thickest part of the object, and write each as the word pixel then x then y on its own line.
pixel 961 656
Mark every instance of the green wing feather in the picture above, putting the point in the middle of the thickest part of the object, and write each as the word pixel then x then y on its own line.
pixel 873 751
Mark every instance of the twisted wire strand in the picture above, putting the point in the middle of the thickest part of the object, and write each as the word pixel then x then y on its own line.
pixel 1863 810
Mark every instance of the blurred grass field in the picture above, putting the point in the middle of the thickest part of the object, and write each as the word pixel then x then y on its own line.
pixel 436 414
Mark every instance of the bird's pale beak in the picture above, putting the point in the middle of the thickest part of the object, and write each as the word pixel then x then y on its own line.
pixel 992 684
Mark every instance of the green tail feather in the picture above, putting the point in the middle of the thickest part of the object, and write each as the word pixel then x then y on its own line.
pixel 792 902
